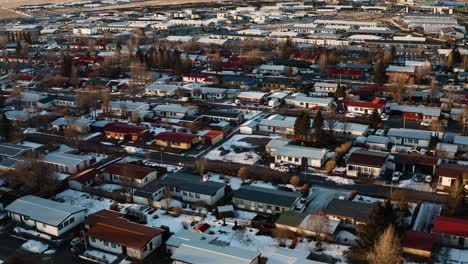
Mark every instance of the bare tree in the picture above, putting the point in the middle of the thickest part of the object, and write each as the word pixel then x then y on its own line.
pixel 387 249
pixel 319 224
pixel 243 173
pixel 295 180
pixel 201 165
pixel 281 235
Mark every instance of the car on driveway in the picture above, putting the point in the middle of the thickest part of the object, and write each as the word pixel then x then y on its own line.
pixel 379 132
pixel 351 115
pixel 396 175
pixel 425 123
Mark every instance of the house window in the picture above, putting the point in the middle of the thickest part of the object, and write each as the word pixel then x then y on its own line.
pixel 113 245
pixel 44 225
pixel 106 243
pixel 72 220
pixel 93 239
pixel 197 195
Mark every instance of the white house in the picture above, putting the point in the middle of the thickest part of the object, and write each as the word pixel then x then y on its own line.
pixel 127 108
pixel 299 156
pixel 160 89
pixel 177 239
pixel 46 216
pixel 277 124
pixel 302 101
pixel 366 163
pixel 272 69
pixel 409 137
pixel 325 87
pixel 174 111
pixel 67 163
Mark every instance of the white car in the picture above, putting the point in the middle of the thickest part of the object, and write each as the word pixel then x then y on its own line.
pixel 384 117
pixel 425 123
pixel 282 169
pixel 396 176
pixel 428 178
pixel 379 132
pixel 351 115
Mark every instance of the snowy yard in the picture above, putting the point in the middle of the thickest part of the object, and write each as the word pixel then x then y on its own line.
pixel 110 187
pixel 320 197
pixel 418 186
pixel 234 182
pixel 236 150
pixel 340 180
pixel 346 237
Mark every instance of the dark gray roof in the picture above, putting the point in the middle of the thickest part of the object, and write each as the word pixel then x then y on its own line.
pixel 268 196
pixel 291 218
pixel 349 209
pixel 12 150
pixel 192 183
pixel 148 190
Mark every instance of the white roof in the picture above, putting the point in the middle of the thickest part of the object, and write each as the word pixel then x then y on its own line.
pixel 66 159
pixel 409 133
pixel 251 95
pixel 460 140
pixel 161 87
pixel 187 235
pixel 325 84
pixel 447 147
pixel 173 108
pixel 179 38
pixel 314 100
pixel 212 41
pixel 364 37
pixel 301 152
pixel 290 256
pixel 427 111
pixel 200 252
pixel 269 67
pixel 377 139
pixel 394 68
pixel 43 210
pixel 128 105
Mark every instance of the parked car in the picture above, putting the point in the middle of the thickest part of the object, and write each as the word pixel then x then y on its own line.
pixel 379 132
pixel 428 178
pixel 417 178
pixel 384 117
pixel 350 115
pixel 282 168
pixel 396 175
pixel 425 123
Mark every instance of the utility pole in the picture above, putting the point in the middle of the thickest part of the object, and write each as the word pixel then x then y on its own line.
pixel 84 238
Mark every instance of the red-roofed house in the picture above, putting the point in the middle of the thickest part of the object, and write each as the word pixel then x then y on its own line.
pixel 110 232
pixel 418 243
pixel 176 140
pixel 361 107
pixel 305 57
pixel 122 131
pixel 451 231
pixel 128 173
pixel 201 228
pixel 448 174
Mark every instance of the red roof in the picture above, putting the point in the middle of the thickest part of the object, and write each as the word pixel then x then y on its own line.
pixel 213 134
pixel 304 56
pixel 175 137
pixel 346 72
pixel 418 240
pixel 451 226
pixel 452 170
pixel 24 77
pixel 202 227
pixel 374 104
pixel 123 128
pixel 128 170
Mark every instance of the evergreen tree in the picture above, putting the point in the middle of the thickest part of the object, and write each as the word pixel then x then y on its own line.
pixel 302 126
pixel 380 217
pixel 379 72
pixel 5 128
pixel 18 47
pixel 178 67
pixel 67 65
pixel 374 119
pixel 318 124
pixel 340 92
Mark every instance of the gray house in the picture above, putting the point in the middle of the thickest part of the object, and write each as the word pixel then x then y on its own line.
pixel 265 200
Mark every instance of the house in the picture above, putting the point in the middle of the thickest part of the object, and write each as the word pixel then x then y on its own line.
pixel 302 101
pixel 296 221
pixel 351 213
pixel 81 124
pixel 264 200
pixel 366 163
pixel 232 117
pixel 67 163
pixel 8 150
pixel 191 188
pixel 160 89
pixel 377 142
pixel 414 163
pixel 276 143
pixel 252 97
pixel 174 111
pixel 416 112
pixel 123 131
pixel 213 93
pixel 454 33
pixel 446 150
pixel 366 108
pixel 448 174
pixel 268 69
pixel 300 156
pixel 325 87
pixel 418 243
pixel 239 81
pixel 177 239
pixel 46 216
pixel 109 231
pixel 65 101
pixel 149 194
pixel 176 140
pixel 127 108
pixel 213 137
pixel 199 78
pixel 129 174
pixel 451 231
pixel 277 124
pixel 462 142
pixel 82 179
pixel 202 252
pixel 410 137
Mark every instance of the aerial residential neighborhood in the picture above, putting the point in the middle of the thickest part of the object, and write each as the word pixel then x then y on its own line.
pixel 245 131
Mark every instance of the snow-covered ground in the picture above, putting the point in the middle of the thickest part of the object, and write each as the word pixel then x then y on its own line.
pixel 234 182
pixel 35 246
pixel 320 197
pixel 425 219
pixel 454 256
pixel 100 256
pixel 340 180
pixel 110 187
pixel 419 186
pixel 267 185
pixel 246 157
pixel 91 203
